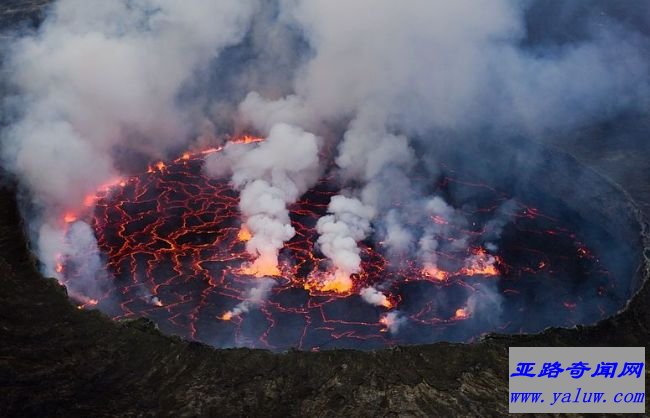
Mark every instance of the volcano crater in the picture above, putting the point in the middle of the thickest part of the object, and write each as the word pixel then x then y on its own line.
pixel 173 251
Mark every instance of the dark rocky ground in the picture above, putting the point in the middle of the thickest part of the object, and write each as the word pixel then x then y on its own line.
pixel 25 13
pixel 56 360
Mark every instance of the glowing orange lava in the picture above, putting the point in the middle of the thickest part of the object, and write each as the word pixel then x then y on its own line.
pixel 480 269
pixel 261 267
pixel 176 251
pixel 248 139
pixel 244 234
pixel 69 218
pixel 461 313
pixel 481 263
pixel 386 322
pixel 88 303
pixel 435 273
pixel 337 282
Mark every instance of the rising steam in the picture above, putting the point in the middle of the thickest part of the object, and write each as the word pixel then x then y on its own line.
pixel 253 298
pixel 102 86
pixel 270 176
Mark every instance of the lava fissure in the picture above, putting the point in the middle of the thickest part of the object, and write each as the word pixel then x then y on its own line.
pixel 175 251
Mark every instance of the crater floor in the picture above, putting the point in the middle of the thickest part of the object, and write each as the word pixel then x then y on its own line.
pixel 57 360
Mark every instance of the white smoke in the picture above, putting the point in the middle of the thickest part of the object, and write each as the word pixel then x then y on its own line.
pixel 364 155
pixel 348 223
pixel 398 238
pixel 253 298
pixel 428 244
pixel 271 175
pixel 393 321
pixel 494 227
pixel 452 66
pixel 485 304
pixel 100 78
pixel 79 249
pixel 263 114
pixel 374 297
pixel 443 231
pixel 437 66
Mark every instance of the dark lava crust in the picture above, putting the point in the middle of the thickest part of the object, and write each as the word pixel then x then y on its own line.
pixel 56 360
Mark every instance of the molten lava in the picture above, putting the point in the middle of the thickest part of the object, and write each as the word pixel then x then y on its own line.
pixel 174 247
pixel 244 234
pixel 461 313
pixel 337 282
pixel 260 267
pixel 480 263
pixel 435 273
pixel 69 218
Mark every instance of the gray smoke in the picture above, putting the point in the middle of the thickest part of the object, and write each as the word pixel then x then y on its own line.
pixel 381 80
pixel 270 175
pixel 99 77
pixel 253 298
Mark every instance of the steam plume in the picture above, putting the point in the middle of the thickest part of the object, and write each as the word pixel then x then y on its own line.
pixel 270 176
pixel 254 297
pixel 103 83
pixel 100 80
